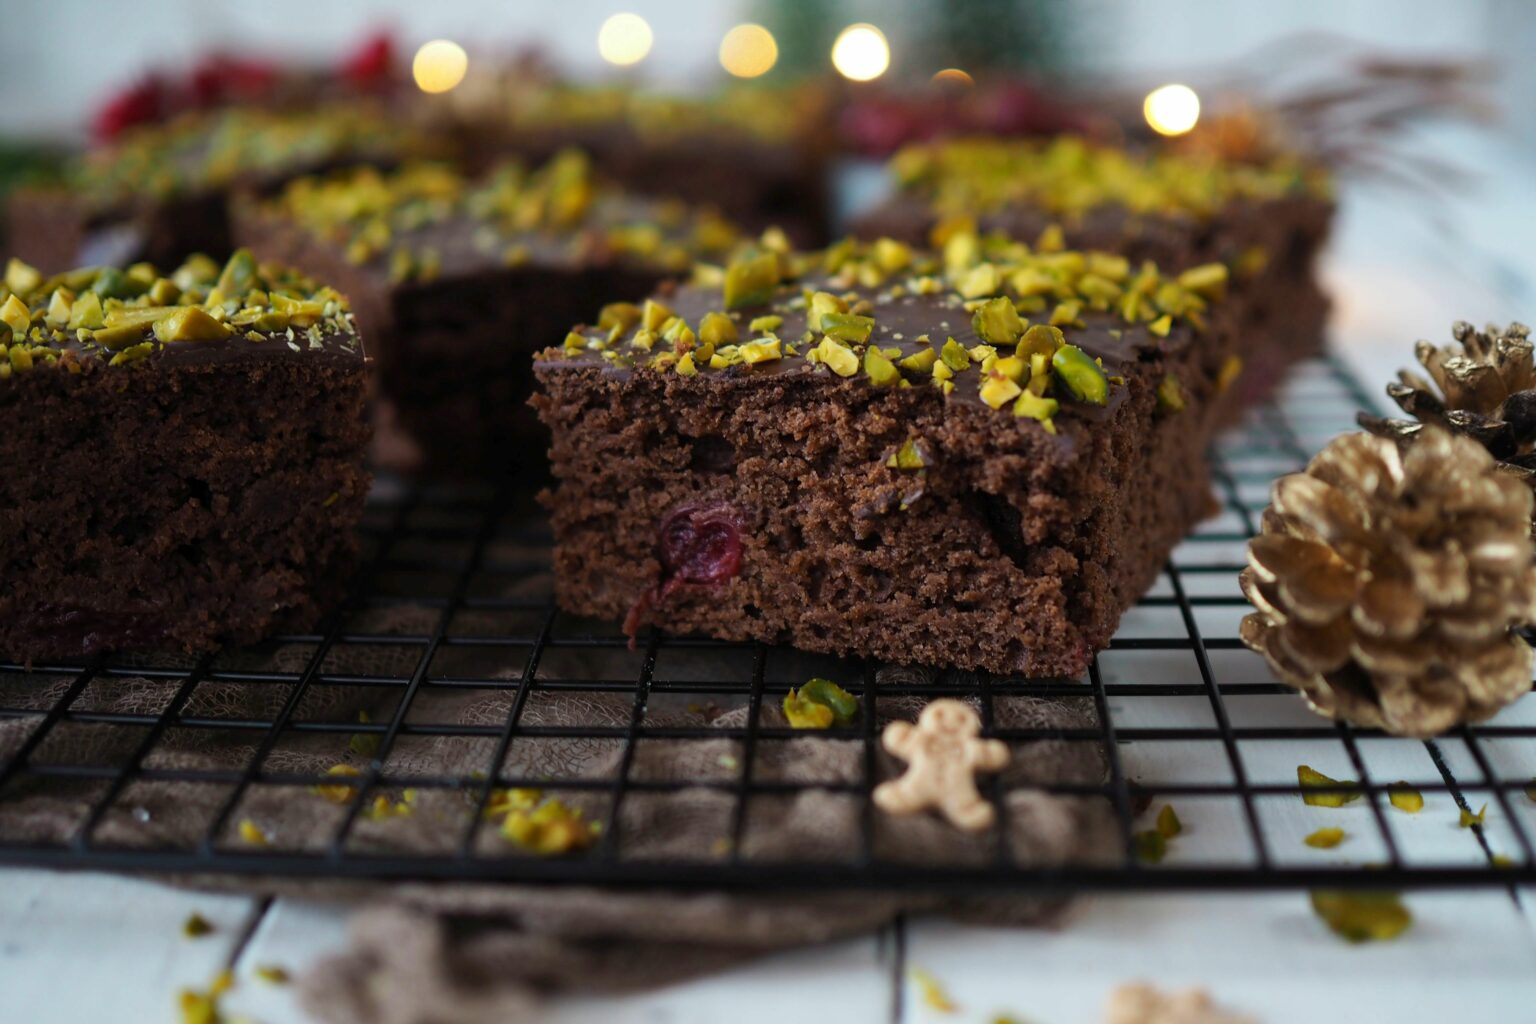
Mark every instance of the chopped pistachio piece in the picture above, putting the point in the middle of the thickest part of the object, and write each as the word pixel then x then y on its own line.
pixel 819 705
pixel 237 277
pixel 1170 396
pixel 765 323
pixel 1325 838
pixel 1161 326
pixel 1067 314
pixel 251 833
pixel 804 713
pixel 997 322
pixel 1168 822
pixel 364 744
pixel 551 829
pixel 1309 777
pixel 338 792
pixel 1405 798
pixel 997 390
pixel 618 315
pixel 1040 339
pixel 1081 375
pixel 1011 367
pixel 980 281
pixel 1208 279
pixel 849 327
pixel 654 315
pixel 1230 371
pixel 891 255
pixel 844 705
pixel 16 316
pixel 133 354
pixel 1364 916
pixel 920 361
pixel 1151 846
pixel 190 323
pixel 954 355
pixel 717 329
pixel 931 992
pixel 839 358
pixel 272 974
pixel 751 279
pixel 763 350
pixel 115 338
pixel 21 278
pixel 1470 820
pixel 86 312
pixel 1032 406
pixel 59 304
pixel 910 456
pixel 196 926
pixel 880 370
pixel 112 283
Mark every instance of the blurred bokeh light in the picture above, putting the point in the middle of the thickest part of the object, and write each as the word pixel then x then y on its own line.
pixel 1171 109
pixel 861 53
pixel 624 39
pixel 439 65
pixel 748 51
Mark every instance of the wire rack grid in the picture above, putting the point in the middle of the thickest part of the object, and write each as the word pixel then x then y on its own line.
pixel 455 599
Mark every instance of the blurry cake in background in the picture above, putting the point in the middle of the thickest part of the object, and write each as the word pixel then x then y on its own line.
pixel 763 155
pixel 160 192
pixel 459 280
pixel 1265 221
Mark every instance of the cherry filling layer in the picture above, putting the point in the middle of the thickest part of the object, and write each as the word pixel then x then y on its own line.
pixel 699 545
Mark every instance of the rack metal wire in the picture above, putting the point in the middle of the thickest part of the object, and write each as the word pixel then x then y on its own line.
pixel 462 578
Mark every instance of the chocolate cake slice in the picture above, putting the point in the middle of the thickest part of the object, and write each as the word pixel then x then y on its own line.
pixel 194 455
pixel 975 460
pixel 1266 221
pixel 161 193
pixel 457 281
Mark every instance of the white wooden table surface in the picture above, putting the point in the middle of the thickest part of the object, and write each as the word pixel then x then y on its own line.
pixel 99 948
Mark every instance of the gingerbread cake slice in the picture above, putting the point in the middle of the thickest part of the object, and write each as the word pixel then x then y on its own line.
pixel 978 459
pixel 1265 220
pixel 458 281
pixel 189 455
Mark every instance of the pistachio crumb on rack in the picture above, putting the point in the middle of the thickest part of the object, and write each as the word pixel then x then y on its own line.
pixel 819 704
pixel 1310 778
pixel 1325 838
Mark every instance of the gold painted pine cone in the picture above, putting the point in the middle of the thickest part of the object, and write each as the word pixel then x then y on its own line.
pixel 1481 386
pixel 1390 583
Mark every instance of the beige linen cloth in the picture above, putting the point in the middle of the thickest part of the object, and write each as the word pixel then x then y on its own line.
pixel 470 952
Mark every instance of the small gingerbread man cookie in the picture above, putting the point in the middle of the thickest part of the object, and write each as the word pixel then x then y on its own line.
pixel 1140 1003
pixel 943 752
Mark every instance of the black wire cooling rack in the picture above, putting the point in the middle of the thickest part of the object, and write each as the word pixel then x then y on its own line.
pixel 442 564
